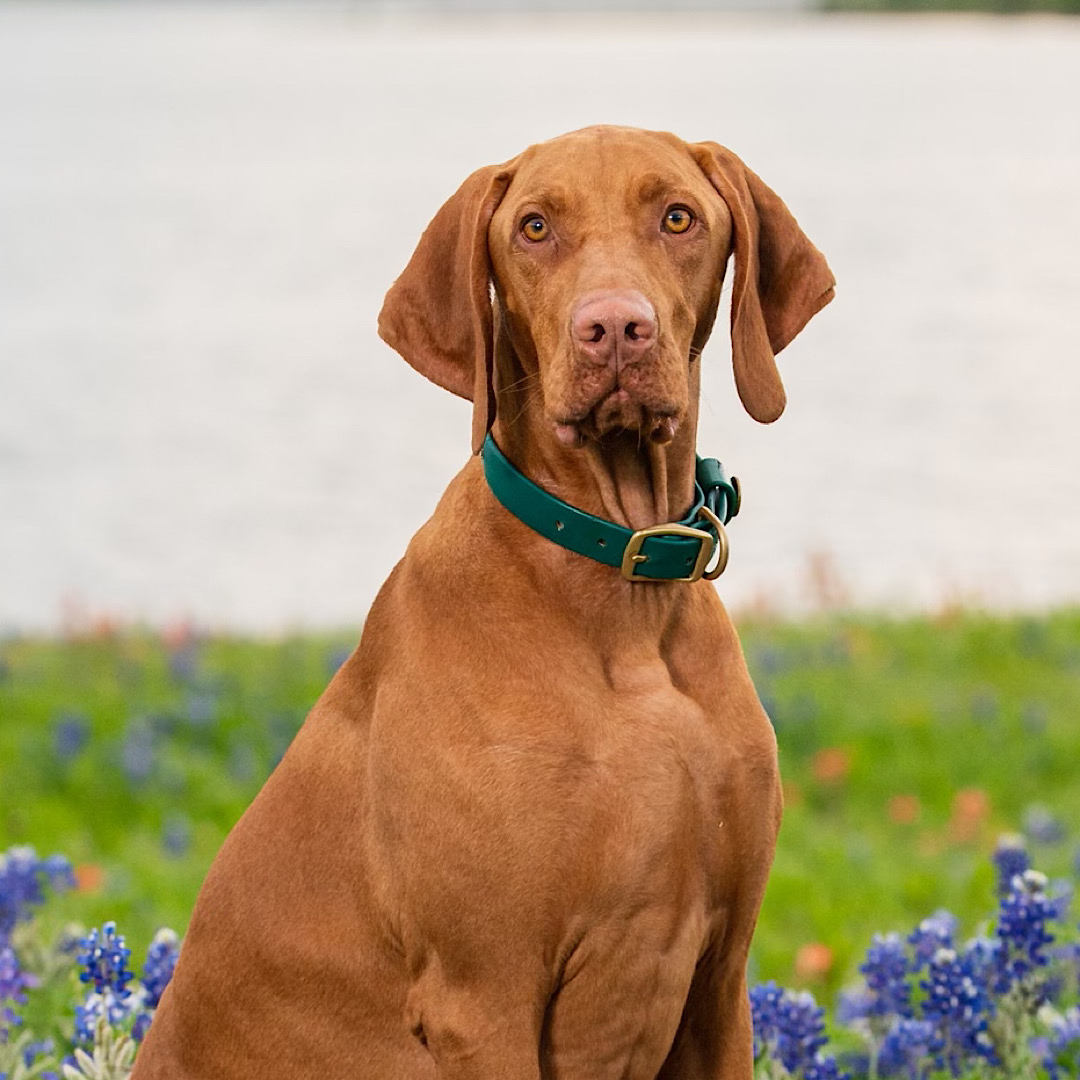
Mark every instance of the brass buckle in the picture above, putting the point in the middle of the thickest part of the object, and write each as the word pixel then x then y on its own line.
pixel 632 556
pixel 721 543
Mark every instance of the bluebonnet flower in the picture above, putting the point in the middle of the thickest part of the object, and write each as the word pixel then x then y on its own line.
pixel 959 1009
pixel 31 1052
pixel 791 1028
pixel 823 1067
pixel 1022 928
pixel 886 969
pixel 801 1030
pixel 1010 858
pixel 71 733
pixel 105 965
pixel 1041 825
pixel 176 834
pixel 933 933
pixel 14 982
pixel 764 1012
pixel 23 877
pixel 1060 1053
pixel 982 957
pixel 158 968
pixel 142 1025
pixel 908 1050
pixel 104 959
pixel 108 1004
pixel 855 1006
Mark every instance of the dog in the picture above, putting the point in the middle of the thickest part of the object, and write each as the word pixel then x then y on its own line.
pixel 526 830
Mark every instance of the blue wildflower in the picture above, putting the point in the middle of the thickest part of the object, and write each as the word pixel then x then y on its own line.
pixel 32 1051
pixel 176 834
pixel 1041 825
pixel 959 1009
pixel 791 1028
pixel 14 982
pixel 112 1006
pixel 933 933
pixel 982 957
pixel 823 1067
pixel 142 1025
pixel 23 877
pixel 71 733
pixel 855 1006
pixel 764 1013
pixel 1010 858
pixel 1022 928
pixel 1060 1053
pixel 104 960
pixel 158 968
pixel 801 1030
pixel 908 1050
pixel 886 969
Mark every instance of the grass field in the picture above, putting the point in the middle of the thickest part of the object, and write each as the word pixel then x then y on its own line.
pixel 907 747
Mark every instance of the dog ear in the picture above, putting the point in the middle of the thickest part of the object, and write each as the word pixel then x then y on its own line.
pixel 781 279
pixel 437 314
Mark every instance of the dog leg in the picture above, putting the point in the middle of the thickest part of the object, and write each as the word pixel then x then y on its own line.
pixel 471 1032
pixel 714 1040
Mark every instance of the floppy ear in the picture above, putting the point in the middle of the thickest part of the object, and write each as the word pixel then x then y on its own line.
pixel 438 312
pixel 781 279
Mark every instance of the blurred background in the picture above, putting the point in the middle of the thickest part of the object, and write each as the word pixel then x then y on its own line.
pixel 209 462
pixel 202 205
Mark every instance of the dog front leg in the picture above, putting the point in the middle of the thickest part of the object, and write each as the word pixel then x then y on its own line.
pixel 715 1038
pixel 475 1028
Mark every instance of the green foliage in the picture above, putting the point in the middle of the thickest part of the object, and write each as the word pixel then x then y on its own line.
pixel 134 756
pixel 906 747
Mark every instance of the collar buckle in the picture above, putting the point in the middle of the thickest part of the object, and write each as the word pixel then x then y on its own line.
pixel 722 547
pixel 633 556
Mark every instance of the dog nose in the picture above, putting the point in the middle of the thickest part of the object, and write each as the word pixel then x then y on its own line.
pixel 614 328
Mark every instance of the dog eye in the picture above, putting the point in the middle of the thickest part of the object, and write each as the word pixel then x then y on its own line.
pixel 678 219
pixel 534 228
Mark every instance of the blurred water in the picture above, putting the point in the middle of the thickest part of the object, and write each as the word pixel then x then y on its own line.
pixel 202 205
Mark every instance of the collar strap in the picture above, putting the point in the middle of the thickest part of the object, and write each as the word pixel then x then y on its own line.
pixel 676 551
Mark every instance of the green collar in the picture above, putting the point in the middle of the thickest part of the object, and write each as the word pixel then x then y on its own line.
pixel 677 551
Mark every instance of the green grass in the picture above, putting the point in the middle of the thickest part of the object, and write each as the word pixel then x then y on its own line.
pixel 180 737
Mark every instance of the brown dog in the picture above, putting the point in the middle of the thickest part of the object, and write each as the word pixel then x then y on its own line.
pixel 526 830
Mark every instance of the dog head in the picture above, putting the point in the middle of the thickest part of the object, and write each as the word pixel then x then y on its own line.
pixel 607 250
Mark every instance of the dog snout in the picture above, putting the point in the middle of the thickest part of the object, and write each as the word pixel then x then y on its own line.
pixel 614 329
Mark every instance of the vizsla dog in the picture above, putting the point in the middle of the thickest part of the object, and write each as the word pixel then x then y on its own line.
pixel 526 830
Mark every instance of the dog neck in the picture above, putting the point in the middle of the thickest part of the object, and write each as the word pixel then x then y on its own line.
pixel 626 477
